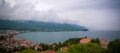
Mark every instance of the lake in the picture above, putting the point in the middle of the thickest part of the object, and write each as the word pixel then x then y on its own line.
pixel 51 37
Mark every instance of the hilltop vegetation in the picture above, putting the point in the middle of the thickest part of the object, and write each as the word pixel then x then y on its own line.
pixel 38 26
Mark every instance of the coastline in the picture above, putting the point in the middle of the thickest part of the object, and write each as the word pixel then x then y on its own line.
pixel 10 43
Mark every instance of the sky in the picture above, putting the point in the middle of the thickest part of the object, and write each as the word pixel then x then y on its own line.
pixel 93 14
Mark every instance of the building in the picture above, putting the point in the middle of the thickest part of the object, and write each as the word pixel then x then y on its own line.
pixel 37 47
pixel 25 43
pixel 85 40
pixel 103 43
pixel 63 49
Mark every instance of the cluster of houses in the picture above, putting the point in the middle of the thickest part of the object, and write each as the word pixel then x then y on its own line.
pixel 103 42
pixel 9 32
pixel 9 42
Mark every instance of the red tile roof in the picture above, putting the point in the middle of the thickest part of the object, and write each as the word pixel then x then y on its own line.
pixel 64 48
pixel 85 40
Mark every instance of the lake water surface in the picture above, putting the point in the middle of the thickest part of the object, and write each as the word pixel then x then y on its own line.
pixel 51 37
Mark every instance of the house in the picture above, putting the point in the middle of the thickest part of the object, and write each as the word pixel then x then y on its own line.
pixel 63 49
pixel 103 43
pixel 37 46
pixel 25 43
pixel 85 40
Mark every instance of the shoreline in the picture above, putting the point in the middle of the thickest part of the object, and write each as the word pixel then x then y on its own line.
pixel 11 43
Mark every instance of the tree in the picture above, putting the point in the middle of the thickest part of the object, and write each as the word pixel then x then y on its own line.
pixel 114 46
pixel 2 38
pixel 85 48
pixel 96 41
pixel 72 41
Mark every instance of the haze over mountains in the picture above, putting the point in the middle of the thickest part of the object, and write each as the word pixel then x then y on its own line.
pixel 38 26
pixel 95 15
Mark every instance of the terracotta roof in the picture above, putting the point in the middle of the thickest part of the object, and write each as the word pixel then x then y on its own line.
pixel 64 48
pixel 85 40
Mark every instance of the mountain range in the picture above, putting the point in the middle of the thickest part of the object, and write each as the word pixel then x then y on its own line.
pixel 38 26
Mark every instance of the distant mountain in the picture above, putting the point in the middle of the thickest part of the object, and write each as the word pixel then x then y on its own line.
pixel 40 26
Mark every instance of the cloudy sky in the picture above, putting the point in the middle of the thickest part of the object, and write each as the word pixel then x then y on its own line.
pixel 93 14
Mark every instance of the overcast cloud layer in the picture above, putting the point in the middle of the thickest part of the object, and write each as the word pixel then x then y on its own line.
pixel 93 14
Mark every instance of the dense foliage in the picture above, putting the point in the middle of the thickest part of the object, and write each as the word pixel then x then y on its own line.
pixel 85 48
pixel 38 26
pixel 56 46
pixel 97 41
pixel 72 41
pixel 2 38
pixel 114 46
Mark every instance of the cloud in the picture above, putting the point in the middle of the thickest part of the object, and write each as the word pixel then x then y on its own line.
pixel 94 14
pixel 24 11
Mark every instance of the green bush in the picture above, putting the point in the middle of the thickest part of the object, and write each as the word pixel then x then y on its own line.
pixel 114 46
pixel 97 41
pixel 85 48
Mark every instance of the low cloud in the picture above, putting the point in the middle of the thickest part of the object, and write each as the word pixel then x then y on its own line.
pixel 94 14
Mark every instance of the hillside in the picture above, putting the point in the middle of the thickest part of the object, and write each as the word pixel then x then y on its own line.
pixel 40 26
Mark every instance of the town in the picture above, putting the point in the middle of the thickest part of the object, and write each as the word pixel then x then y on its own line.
pixel 10 44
